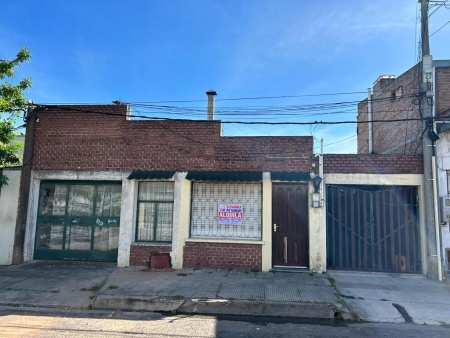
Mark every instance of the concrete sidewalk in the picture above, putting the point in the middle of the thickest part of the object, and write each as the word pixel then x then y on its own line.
pixel 220 292
pixel 85 285
pixel 394 298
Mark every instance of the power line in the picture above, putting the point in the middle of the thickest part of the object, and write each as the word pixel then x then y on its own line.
pixel 231 122
pixel 262 112
pixel 445 24
pixel 251 98
pixel 341 140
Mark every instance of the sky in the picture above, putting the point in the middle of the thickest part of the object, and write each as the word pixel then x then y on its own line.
pixel 269 61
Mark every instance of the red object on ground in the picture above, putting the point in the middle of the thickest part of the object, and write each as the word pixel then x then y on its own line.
pixel 160 262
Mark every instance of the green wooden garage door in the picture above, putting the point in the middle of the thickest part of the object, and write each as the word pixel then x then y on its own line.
pixel 78 220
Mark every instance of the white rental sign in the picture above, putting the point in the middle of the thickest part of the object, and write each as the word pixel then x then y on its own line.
pixel 230 214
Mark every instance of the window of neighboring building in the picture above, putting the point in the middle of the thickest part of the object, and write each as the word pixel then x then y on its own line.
pixel 226 210
pixel 155 212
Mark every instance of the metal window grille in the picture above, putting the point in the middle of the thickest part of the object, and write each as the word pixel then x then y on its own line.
pixel 208 197
pixel 155 212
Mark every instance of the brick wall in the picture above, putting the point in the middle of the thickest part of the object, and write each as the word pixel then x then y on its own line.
pixel 140 253
pixel 442 79
pixel 362 129
pixel 222 256
pixel 83 138
pixel 372 164
pixel 401 137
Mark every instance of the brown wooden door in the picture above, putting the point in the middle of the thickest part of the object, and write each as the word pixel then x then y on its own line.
pixel 290 242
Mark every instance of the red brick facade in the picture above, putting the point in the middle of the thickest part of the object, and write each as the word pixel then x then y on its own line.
pixel 372 164
pixel 140 253
pixel 222 256
pixel 393 99
pixel 442 103
pixel 87 138
pixel 398 98
pixel 103 138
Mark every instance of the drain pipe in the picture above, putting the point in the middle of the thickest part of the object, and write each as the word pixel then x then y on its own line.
pixel 436 218
pixel 211 94
pixel 369 118
pixel 322 192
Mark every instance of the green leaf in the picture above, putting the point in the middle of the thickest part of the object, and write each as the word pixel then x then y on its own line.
pixel 12 101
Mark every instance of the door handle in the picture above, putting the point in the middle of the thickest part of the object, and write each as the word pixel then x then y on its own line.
pixel 275 228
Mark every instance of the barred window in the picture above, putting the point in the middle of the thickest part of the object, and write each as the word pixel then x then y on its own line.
pixel 155 212
pixel 226 210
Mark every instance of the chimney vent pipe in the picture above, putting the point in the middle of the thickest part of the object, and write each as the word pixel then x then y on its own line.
pixel 211 94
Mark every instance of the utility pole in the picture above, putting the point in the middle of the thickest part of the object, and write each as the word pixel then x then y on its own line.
pixel 24 189
pixel 426 101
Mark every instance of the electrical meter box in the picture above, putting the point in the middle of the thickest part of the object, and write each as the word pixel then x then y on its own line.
pixel 315 199
pixel 445 208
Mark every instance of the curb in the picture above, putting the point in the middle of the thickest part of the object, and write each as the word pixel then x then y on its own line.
pixel 217 306
pixel 153 304
pixel 256 308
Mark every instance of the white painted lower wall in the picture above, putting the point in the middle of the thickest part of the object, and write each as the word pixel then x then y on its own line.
pixel 9 197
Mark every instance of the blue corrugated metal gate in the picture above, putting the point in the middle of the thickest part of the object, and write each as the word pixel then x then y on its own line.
pixel 373 228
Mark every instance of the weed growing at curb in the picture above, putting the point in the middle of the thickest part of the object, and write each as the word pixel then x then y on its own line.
pixel 340 300
pixel 54 291
pixel 178 297
pixel 349 297
pixel 94 288
pixel 113 287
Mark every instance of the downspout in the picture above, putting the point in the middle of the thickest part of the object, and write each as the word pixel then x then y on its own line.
pixel 369 118
pixel 437 189
pixel 321 175
pixel 436 218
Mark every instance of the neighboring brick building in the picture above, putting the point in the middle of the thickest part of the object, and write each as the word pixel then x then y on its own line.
pixel 398 99
pixel 392 99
